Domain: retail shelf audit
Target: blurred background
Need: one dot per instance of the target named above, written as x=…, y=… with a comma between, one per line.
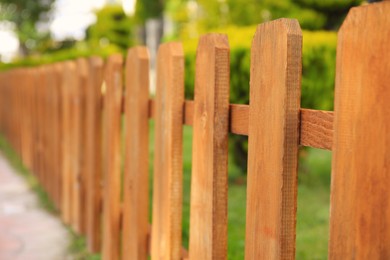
x=34, y=32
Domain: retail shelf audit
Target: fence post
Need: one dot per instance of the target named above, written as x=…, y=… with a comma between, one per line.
x=273, y=140
x=168, y=168
x=136, y=182
x=112, y=157
x=208, y=219
x=360, y=204
x=93, y=155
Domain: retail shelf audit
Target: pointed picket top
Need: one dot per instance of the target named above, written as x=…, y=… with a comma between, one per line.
x=208, y=219
x=273, y=139
x=360, y=208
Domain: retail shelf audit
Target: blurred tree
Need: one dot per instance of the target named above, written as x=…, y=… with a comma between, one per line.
x=334, y=11
x=25, y=15
x=148, y=9
x=112, y=27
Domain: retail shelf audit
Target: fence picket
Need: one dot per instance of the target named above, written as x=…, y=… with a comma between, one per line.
x=360, y=205
x=112, y=157
x=75, y=136
x=208, y=219
x=58, y=131
x=84, y=84
x=93, y=155
x=51, y=129
x=136, y=181
x=68, y=80
x=64, y=120
x=168, y=169
x=273, y=140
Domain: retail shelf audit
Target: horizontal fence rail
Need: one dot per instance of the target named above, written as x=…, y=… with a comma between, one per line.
x=316, y=126
x=82, y=128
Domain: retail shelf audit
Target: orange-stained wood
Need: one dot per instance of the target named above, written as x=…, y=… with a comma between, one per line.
x=316, y=129
x=360, y=204
x=135, y=218
x=68, y=79
x=93, y=155
x=168, y=167
x=75, y=139
x=208, y=212
x=112, y=157
x=316, y=126
x=59, y=131
x=273, y=140
x=84, y=85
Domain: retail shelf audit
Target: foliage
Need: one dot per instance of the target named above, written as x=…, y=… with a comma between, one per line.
x=113, y=26
x=112, y=33
x=319, y=53
x=192, y=17
x=81, y=49
x=318, y=73
x=25, y=15
x=147, y=9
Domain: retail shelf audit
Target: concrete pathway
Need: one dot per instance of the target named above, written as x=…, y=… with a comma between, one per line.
x=27, y=232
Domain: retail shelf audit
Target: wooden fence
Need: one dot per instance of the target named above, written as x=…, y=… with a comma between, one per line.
x=65, y=121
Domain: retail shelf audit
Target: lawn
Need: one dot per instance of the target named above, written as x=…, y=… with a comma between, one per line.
x=313, y=201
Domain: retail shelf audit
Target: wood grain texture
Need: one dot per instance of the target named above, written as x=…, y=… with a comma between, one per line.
x=136, y=182
x=275, y=82
x=208, y=213
x=112, y=157
x=168, y=163
x=360, y=205
x=93, y=155
x=316, y=129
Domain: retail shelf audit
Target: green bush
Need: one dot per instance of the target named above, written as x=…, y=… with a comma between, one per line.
x=81, y=49
x=113, y=27
x=318, y=73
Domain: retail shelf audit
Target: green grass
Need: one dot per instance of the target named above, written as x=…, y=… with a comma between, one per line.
x=313, y=201
x=313, y=204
